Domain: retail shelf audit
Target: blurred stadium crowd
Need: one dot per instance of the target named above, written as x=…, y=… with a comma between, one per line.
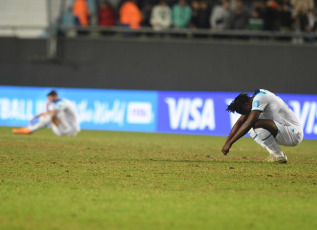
x=219, y=15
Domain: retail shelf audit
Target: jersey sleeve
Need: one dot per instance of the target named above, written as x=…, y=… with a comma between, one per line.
x=259, y=102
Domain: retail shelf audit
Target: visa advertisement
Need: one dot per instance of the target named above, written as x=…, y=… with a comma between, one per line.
x=202, y=113
x=205, y=113
x=195, y=112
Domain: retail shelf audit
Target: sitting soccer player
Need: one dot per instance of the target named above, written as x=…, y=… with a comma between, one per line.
x=60, y=115
x=269, y=121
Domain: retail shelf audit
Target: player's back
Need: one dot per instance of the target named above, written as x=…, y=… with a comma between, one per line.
x=276, y=109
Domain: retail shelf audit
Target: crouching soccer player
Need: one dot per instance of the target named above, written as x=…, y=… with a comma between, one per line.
x=268, y=120
x=61, y=115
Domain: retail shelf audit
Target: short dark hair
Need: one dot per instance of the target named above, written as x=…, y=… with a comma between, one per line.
x=238, y=103
x=52, y=93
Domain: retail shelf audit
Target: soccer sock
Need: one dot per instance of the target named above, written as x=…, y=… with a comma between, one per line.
x=255, y=137
x=43, y=122
x=266, y=139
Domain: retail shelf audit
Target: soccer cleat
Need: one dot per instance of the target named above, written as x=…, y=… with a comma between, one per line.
x=269, y=158
x=281, y=160
x=21, y=131
x=273, y=158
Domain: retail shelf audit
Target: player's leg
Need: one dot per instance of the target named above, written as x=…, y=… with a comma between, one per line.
x=269, y=125
x=264, y=138
x=55, y=125
x=42, y=122
x=63, y=131
x=264, y=132
x=56, y=130
x=61, y=127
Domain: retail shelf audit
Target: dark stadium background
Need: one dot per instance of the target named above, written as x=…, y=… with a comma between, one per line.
x=154, y=64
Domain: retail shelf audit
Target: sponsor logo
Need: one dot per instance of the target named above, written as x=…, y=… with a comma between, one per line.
x=140, y=113
x=191, y=114
x=20, y=109
x=306, y=112
x=102, y=112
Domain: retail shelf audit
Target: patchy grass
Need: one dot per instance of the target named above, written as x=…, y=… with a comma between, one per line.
x=112, y=180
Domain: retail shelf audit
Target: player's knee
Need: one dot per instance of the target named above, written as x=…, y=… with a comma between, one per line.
x=252, y=133
x=262, y=133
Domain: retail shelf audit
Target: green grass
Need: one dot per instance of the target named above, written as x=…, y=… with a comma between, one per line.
x=112, y=180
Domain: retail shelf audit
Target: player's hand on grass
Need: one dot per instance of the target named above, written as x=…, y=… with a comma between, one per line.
x=225, y=148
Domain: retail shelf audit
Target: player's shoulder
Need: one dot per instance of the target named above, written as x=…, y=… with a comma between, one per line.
x=260, y=98
x=57, y=102
x=62, y=102
x=261, y=93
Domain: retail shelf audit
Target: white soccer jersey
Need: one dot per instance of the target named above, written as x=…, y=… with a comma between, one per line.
x=274, y=108
x=68, y=115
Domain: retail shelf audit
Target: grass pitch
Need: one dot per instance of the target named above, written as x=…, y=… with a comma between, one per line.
x=111, y=180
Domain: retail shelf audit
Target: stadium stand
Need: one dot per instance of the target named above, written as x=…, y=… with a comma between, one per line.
x=23, y=18
x=29, y=18
x=45, y=18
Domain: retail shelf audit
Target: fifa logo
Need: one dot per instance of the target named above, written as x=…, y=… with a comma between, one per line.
x=256, y=103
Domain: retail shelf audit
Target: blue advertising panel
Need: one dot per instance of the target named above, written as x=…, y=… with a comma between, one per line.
x=305, y=109
x=97, y=109
x=195, y=113
x=202, y=113
x=205, y=113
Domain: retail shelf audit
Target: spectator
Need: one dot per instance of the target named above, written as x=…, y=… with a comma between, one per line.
x=147, y=11
x=220, y=17
x=271, y=17
x=81, y=12
x=305, y=4
x=114, y=3
x=195, y=13
x=312, y=24
x=240, y=17
x=106, y=15
x=286, y=18
x=181, y=14
x=255, y=22
x=130, y=15
x=246, y=3
x=282, y=2
x=200, y=15
x=161, y=17
x=259, y=7
x=301, y=20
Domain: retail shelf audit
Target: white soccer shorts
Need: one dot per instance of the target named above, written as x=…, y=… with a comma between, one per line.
x=288, y=135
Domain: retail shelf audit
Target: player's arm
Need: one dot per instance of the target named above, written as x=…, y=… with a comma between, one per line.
x=236, y=127
x=54, y=109
x=35, y=117
x=53, y=113
x=241, y=131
